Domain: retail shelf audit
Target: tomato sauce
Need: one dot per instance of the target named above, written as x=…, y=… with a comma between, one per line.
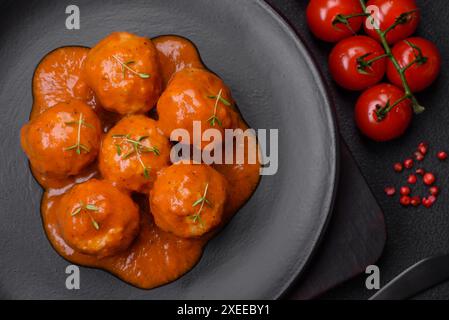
x=155, y=257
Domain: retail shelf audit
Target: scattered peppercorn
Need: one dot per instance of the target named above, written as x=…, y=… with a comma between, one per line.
x=412, y=179
x=390, y=191
x=423, y=147
x=442, y=155
x=415, y=201
x=408, y=163
x=429, y=201
x=429, y=179
x=398, y=167
x=434, y=190
x=419, y=156
x=405, y=201
x=405, y=191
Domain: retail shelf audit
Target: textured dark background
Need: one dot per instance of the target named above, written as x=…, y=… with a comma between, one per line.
x=413, y=234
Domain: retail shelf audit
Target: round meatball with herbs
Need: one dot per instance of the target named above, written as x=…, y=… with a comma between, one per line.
x=98, y=219
x=62, y=140
x=196, y=95
x=188, y=199
x=123, y=71
x=133, y=152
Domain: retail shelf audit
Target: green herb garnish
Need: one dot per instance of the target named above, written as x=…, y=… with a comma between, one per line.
x=78, y=146
x=218, y=98
x=138, y=148
x=201, y=201
x=87, y=208
x=126, y=66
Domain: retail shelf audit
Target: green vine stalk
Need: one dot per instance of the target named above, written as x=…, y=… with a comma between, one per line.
x=402, y=19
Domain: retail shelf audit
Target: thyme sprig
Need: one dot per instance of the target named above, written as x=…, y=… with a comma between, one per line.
x=200, y=202
x=218, y=98
x=88, y=208
x=126, y=66
x=78, y=146
x=137, y=149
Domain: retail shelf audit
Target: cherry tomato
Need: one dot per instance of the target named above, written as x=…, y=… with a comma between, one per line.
x=424, y=71
x=386, y=12
x=350, y=66
x=376, y=124
x=329, y=19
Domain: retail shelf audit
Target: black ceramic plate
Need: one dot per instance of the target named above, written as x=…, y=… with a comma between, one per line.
x=273, y=79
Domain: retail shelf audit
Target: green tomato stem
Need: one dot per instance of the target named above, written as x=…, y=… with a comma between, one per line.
x=417, y=108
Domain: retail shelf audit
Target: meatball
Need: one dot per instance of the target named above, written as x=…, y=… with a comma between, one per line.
x=188, y=199
x=132, y=153
x=63, y=140
x=176, y=53
x=58, y=78
x=98, y=219
x=196, y=95
x=123, y=71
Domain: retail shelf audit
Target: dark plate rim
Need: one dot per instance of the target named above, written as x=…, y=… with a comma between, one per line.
x=329, y=110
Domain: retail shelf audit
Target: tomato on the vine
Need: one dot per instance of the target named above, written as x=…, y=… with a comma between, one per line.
x=333, y=20
x=357, y=63
x=388, y=12
x=382, y=113
x=422, y=60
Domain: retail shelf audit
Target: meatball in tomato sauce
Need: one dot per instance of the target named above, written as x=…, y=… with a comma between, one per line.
x=188, y=199
x=58, y=78
x=98, y=219
x=123, y=70
x=196, y=95
x=63, y=140
x=132, y=153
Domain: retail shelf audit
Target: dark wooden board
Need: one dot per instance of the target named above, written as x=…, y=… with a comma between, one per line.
x=355, y=238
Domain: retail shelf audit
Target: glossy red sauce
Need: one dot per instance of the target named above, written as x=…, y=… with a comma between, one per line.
x=155, y=257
